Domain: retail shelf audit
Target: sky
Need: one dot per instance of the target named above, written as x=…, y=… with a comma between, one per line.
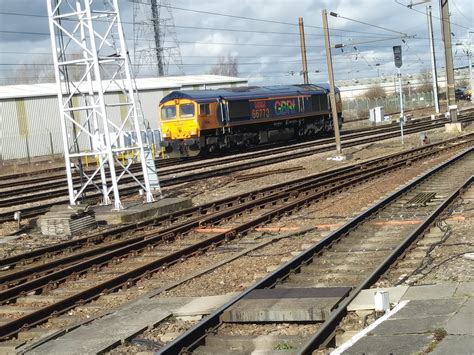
x=268, y=52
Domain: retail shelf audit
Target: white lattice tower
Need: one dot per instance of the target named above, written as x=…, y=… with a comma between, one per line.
x=156, y=45
x=98, y=112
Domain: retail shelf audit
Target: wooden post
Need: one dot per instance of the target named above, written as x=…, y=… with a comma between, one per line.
x=303, y=51
x=332, y=91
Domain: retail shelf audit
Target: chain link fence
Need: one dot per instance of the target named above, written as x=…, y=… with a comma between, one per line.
x=358, y=107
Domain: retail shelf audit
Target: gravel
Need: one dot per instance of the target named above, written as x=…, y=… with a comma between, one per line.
x=331, y=211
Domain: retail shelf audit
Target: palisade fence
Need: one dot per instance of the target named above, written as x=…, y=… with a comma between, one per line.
x=45, y=144
x=358, y=107
x=49, y=143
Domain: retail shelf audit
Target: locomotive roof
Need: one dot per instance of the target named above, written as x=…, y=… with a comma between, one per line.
x=249, y=92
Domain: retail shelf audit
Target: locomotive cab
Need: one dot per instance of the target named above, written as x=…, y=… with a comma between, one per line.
x=179, y=127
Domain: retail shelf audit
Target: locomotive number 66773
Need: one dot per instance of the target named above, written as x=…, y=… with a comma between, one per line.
x=200, y=121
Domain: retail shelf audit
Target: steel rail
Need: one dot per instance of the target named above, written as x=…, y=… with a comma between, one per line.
x=104, y=254
x=160, y=163
x=16, y=277
x=36, y=210
x=190, y=339
x=172, y=161
x=329, y=326
x=128, y=278
x=46, y=182
x=39, y=316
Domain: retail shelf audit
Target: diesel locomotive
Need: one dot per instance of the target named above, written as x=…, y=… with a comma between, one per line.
x=206, y=121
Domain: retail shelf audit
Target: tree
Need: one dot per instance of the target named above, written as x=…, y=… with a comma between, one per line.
x=375, y=91
x=41, y=70
x=462, y=83
x=226, y=65
x=426, y=84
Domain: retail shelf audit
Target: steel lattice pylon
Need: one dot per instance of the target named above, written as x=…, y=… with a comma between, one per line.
x=155, y=41
x=98, y=111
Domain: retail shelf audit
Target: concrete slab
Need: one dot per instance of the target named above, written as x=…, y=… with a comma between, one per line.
x=106, y=332
x=342, y=338
x=430, y=292
x=411, y=326
x=203, y=305
x=134, y=211
x=274, y=293
x=465, y=289
x=251, y=343
x=10, y=346
x=462, y=323
x=455, y=344
x=280, y=310
x=429, y=308
x=207, y=350
x=454, y=127
x=35, y=333
x=365, y=299
x=395, y=344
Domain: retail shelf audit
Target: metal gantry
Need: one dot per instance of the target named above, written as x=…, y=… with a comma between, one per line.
x=97, y=100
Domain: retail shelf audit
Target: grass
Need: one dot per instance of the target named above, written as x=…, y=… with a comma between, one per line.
x=438, y=335
x=283, y=346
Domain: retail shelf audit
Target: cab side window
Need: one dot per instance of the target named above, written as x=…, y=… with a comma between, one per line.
x=204, y=110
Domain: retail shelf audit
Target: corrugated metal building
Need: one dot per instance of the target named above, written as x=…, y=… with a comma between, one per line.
x=29, y=115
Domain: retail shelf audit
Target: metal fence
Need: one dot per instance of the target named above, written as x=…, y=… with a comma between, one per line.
x=359, y=107
x=46, y=143
x=34, y=144
x=49, y=143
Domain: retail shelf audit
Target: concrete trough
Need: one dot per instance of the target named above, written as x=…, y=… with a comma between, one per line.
x=285, y=305
x=136, y=211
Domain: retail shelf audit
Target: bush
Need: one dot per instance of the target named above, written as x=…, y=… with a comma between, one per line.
x=375, y=91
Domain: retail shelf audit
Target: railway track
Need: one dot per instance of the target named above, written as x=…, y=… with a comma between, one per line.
x=58, y=174
x=189, y=163
x=101, y=242
x=178, y=175
x=64, y=283
x=331, y=273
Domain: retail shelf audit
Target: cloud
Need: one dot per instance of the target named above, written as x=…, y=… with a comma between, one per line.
x=265, y=57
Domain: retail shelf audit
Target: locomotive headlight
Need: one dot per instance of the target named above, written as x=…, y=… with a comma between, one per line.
x=192, y=132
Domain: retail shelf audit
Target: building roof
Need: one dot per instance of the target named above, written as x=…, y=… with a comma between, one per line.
x=250, y=92
x=143, y=84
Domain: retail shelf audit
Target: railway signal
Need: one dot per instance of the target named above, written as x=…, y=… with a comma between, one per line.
x=397, y=56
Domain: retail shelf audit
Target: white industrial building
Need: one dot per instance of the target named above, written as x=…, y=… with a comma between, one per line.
x=353, y=88
x=29, y=114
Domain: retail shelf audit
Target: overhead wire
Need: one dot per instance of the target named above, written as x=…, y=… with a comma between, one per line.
x=245, y=17
x=229, y=29
x=243, y=31
x=460, y=12
x=423, y=13
x=367, y=24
